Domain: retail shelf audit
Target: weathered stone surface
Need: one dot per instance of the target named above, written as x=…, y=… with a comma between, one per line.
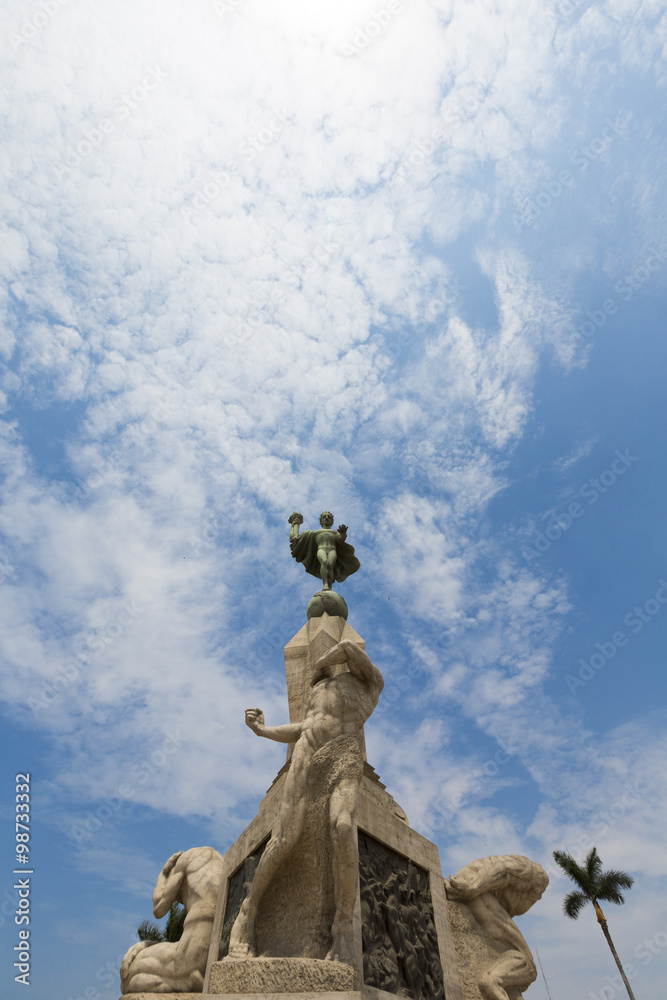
x=400, y=943
x=193, y=879
x=281, y=975
x=319, y=803
x=327, y=995
x=494, y=958
x=169, y=996
x=313, y=640
x=369, y=994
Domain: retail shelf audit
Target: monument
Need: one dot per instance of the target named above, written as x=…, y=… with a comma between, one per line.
x=329, y=893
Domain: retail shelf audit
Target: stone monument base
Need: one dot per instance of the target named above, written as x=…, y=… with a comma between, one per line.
x=329, y=995
x=281, y=975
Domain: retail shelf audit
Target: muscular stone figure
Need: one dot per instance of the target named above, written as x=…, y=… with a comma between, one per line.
x=496, y=889
x=335, y=712
x=193, y=879
x=324, y=552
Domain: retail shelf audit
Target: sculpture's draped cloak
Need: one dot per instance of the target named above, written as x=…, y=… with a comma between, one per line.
x=304, y=550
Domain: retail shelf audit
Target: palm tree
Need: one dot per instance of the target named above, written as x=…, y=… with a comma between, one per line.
x=148, y=930
x=173, y=930
x=594, y=885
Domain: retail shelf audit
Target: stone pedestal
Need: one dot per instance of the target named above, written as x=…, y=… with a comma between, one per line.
x=281, y=975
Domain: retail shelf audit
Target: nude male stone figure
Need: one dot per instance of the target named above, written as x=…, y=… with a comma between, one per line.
x=336, y=710
x=496, y=889
x=193, y=879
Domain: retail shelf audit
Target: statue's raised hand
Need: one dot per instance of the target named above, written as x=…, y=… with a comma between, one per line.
x=295, y=518
x=254, y=718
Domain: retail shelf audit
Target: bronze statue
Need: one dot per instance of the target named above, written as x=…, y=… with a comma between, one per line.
x=323, y=552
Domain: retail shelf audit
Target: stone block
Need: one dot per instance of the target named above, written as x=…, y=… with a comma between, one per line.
x=281, y=975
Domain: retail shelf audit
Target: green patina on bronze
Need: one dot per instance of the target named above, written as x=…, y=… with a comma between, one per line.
x=326, y=554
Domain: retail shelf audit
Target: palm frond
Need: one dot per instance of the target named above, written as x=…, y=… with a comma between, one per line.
x=565, y=861
x=610, y=885
x=575, y=871
x=621, y=879
x=175, y=921
x=148, y=930
x=593, y=865
x=574, y=903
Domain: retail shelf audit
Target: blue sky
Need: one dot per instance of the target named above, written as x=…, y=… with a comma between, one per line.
x=409, y=266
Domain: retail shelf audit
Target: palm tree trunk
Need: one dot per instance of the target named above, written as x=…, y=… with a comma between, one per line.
x=605, y=931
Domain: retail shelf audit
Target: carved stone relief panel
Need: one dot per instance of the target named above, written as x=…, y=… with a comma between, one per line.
x=239, y=884
x=400, y=945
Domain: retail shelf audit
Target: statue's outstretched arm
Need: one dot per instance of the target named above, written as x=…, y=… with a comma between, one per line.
x=295, y=520
x=254, y=718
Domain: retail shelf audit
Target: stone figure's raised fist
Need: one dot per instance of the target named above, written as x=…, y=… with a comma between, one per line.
x=295, y=518
x=254, y=718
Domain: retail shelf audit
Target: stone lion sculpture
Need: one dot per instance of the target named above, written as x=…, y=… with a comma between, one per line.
x=496, y=889
x=192, y=878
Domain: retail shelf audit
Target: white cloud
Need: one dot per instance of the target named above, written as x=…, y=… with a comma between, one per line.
x=243, y=295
